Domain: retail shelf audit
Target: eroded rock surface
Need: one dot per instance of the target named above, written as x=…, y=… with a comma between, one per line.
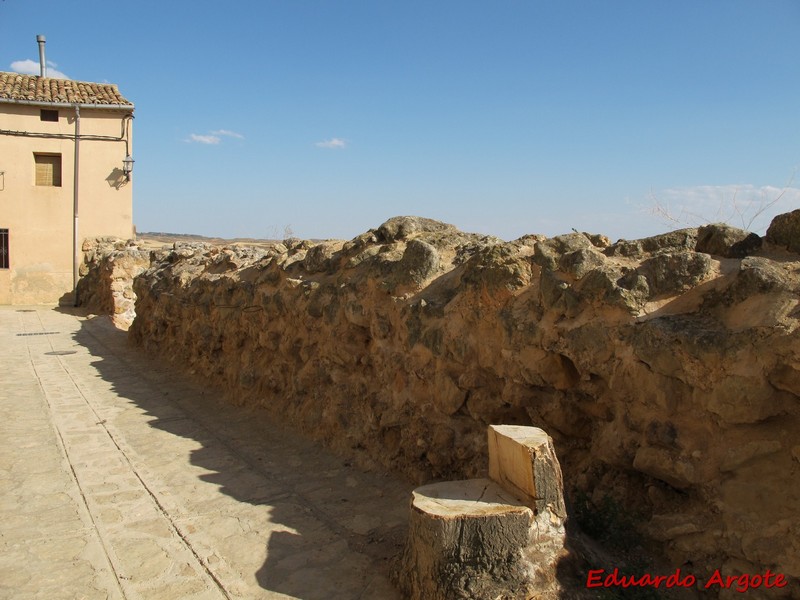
x=667, y=369
x=107, y=272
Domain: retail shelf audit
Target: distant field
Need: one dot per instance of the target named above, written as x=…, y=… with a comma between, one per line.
x=156, y=239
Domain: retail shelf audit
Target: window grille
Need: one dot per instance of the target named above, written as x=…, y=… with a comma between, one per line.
x=3, y=248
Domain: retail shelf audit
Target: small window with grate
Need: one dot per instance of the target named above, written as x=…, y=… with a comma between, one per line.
x=3, y=248
x=47, y=114
x=48, y=169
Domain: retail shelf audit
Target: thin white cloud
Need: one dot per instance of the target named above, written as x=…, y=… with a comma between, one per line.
x=228, y=133
x=203, y=139
x=333, y=143
x=746, y=206
x=213, y=138
x=31, y=67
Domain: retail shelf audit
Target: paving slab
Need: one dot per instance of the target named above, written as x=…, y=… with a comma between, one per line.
x=120, y=478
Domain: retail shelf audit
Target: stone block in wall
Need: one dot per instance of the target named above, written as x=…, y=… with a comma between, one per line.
x=784, y=231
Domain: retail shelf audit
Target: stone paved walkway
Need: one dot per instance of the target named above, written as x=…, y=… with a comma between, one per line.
x=121, y=479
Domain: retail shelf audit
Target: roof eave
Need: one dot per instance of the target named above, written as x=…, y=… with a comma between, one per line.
x=44, y=104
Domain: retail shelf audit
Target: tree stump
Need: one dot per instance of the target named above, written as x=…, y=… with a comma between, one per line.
x=478, y=539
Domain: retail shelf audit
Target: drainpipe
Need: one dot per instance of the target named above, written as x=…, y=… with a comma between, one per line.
x=75, y=242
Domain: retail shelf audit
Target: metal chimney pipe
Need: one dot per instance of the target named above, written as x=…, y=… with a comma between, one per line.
x=42, y=64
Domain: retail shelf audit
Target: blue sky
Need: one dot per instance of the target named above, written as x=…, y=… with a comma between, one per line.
x=502, y=117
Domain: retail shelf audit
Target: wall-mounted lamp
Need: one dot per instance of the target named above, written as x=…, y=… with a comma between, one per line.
x=127, y=166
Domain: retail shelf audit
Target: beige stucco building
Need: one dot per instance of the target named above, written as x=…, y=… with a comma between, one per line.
x=62, y=179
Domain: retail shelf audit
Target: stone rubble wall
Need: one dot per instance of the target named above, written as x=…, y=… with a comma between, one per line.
x=666, y=369
x=107, y=273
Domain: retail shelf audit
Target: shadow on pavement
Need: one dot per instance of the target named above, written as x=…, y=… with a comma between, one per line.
x=327, y=529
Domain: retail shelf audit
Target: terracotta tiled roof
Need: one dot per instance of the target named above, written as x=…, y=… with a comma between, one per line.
x=14, y=86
